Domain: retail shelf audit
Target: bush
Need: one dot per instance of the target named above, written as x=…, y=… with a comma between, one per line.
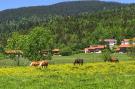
x=106, y=54
x=131, y=52
x=67, y=51
x=76, y=52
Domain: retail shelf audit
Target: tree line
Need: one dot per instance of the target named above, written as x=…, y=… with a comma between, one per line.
x=79, y=31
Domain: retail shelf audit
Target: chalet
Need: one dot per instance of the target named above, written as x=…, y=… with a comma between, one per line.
x=123, y=48
x=94, y=49
x=15, y=52
x=125, y=44
x=54, y=52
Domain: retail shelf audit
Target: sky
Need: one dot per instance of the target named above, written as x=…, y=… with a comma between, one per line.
x=9, y=4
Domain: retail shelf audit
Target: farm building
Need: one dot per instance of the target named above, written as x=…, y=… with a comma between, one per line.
x=55, y=51
x=125, y=44
x=14, y=52
x=123, y=48
x=94, y=49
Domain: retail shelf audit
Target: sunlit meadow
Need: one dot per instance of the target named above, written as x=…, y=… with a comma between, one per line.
x=67, y=76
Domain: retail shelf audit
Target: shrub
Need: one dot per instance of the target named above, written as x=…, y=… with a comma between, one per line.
x=106, y=54
x=131, y=52
x=67, y=51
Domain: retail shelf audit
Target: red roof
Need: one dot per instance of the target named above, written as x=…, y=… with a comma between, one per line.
x=125, y=46
x=92, y=47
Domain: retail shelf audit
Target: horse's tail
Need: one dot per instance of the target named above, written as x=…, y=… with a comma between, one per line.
x=31, y=64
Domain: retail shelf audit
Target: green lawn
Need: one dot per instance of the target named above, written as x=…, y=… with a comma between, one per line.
x=88, y=58
x=66, y=76
x=94, y=74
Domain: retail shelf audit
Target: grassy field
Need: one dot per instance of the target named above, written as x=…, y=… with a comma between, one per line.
x=88, y=58
x=98, y=75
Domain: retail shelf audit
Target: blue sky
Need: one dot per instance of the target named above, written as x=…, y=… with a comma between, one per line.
x=8, y=4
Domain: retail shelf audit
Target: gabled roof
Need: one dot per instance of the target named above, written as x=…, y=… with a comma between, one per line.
x=125, y=46
x=56, y=50
x=93, y=47
x=13, y=52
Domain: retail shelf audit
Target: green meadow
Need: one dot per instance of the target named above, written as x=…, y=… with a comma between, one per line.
x=62, y=74
x=98, y=75
x=88, y=58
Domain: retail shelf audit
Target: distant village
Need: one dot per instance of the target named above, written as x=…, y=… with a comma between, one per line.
x=112, y=43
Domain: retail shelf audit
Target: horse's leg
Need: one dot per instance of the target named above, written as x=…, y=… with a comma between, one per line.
x=117, y=61
x=82, y=63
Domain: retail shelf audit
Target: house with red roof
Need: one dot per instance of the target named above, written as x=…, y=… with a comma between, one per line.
x=94, y=49
x=125, y=44
x=124, y=47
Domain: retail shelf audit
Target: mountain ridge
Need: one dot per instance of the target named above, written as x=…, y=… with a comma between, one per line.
x=69, y=7
x=80, y=24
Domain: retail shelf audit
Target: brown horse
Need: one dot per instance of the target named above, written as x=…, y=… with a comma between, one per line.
x=35, y=63
x=113, y=59
x=78, y=61
x=44, y=64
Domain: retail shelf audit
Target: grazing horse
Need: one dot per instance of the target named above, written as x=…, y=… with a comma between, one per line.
x=78, y=61
x=114, y=60
x=35, y=63
x=44, y=64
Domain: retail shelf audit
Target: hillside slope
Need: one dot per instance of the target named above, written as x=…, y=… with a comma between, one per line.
x=77, y=31
x=64, y=8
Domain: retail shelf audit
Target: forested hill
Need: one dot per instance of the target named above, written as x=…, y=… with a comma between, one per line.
x=64, y=8
x=76, y=31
